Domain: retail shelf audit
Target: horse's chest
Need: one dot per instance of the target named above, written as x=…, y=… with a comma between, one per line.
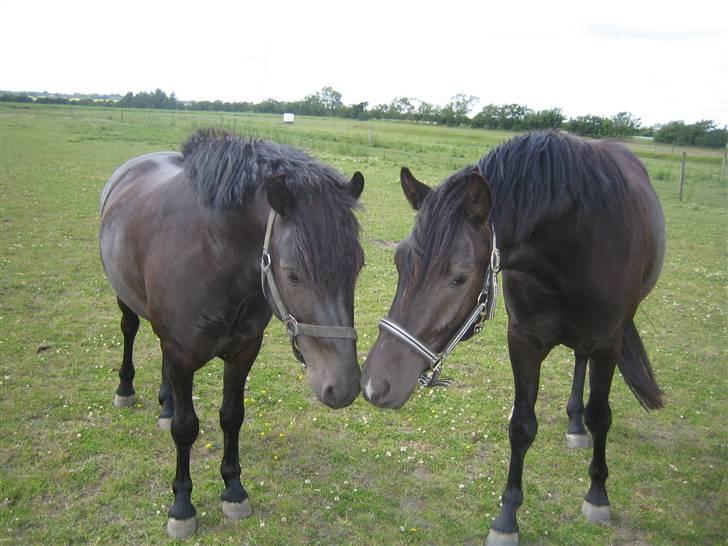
x=546, y=317
x=251, y=319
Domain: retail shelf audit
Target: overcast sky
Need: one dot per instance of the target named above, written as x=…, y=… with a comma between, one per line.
x=659, y=60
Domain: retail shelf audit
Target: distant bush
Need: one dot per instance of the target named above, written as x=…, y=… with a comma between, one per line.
x=703, y=133
x=620, y=125
x=10, y=97
x=516, y=117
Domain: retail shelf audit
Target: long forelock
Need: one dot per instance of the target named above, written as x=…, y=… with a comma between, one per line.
x=327, y=238
x=439, y=222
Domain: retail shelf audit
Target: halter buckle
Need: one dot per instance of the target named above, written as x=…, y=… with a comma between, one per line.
x=292, y=324
x=495, y=260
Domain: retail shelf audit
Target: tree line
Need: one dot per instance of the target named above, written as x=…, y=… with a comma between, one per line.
x=508, y=117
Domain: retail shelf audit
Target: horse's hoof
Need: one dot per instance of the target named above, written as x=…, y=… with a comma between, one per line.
x=181, y=528
x=496, y=538
x=165, y=423
x=124, y=401
x=578, y=441
x=237, y=510
x=595, y=514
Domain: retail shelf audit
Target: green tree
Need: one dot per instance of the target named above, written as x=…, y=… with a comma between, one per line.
x=330, y=99
x=673, y=132
x=624, y=124
x=427, y=112
x=487, y=118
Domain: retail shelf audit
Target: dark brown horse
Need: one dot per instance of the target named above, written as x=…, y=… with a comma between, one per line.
x=579, y=235
x=208, y=243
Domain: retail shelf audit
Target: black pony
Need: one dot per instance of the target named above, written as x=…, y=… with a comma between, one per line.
x=579, y=235
x=206, y=245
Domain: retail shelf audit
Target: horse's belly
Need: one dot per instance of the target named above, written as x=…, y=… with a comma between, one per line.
x=125, y=278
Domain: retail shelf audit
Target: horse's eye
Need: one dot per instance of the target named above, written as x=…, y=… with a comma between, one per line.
x=292, y=277
x=458, y=280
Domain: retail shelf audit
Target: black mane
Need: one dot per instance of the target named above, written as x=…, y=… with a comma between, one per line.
x=532, y=177
x=225, y=171
x=542, y=174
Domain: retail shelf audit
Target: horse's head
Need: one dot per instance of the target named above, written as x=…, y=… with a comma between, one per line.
x=441, y=267
x=315, y=258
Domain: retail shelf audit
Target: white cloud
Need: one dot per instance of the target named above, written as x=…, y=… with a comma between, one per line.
x=659, y=60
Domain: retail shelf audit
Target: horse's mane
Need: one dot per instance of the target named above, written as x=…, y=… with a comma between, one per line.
x=542, y=174
x=532, y=177
x=225, y=171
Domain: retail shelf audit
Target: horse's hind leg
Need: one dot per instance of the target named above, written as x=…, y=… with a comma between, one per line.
x=576, y=436
x=166, y=400
x=129, y=326
x=598, y=417
x=235, y=502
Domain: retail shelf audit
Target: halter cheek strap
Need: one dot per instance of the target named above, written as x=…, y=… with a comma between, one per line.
x=484, y=310
x=293, y=326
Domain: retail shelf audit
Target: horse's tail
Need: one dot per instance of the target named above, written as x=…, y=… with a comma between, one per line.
x=636, y=370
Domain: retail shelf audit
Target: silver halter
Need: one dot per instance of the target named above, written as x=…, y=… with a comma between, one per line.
x=293, y=327
x=484, y=310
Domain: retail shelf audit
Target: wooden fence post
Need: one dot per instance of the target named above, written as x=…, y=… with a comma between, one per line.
x=682, y=175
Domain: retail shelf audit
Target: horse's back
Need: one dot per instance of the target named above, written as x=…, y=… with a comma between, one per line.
x=132, y=198
x=162, y=165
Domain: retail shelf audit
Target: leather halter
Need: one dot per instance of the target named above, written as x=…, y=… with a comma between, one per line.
x=293, y=326
x=484, y=310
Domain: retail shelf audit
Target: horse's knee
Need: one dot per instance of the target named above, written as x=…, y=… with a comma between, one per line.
x=523, y=428
x=231, y=419
x=185, y=428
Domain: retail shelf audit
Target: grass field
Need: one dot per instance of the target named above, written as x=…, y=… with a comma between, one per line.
x=74, y=470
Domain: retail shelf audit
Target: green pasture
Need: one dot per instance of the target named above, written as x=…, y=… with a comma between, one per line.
x=75, y=470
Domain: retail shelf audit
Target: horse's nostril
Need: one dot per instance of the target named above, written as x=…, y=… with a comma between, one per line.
x=339, y=398
x=375, y=390
x=329, y=396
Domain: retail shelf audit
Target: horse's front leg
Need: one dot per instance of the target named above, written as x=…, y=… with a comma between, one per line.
x=235, y=502
x=576, y=436
x=526, y=366
x=185, y=426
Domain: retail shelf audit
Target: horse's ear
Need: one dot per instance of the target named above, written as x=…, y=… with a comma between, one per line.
x=279, y=196
x=356, y=184
x=477, y=200
x=414, y=190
